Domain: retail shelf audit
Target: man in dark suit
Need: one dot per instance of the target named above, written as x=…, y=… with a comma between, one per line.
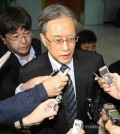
x=58, y=30
x=15, y=31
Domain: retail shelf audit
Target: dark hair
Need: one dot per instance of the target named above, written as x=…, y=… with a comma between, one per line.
x=85, y=36
x=12, y=18
x=53, y=12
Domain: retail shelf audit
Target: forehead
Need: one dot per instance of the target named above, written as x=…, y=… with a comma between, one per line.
x=19, y=30
x=61, y=26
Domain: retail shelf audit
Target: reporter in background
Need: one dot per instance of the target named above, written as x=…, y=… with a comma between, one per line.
x=16, y=33
x=87, y=40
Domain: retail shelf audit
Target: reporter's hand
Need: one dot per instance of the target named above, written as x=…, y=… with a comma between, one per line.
x=80, y=132
x=41, y=112
x=112, y=129
x=55, y=84
x=102, y=121
x=35, y=81
x=114, y=90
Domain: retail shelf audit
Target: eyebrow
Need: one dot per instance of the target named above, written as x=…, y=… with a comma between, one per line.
x=63, y=36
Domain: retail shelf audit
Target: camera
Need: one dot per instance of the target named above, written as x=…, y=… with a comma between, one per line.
x=112, y=113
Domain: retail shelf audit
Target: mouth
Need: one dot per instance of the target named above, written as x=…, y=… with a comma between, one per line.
x=66, y=56
x=25, y=48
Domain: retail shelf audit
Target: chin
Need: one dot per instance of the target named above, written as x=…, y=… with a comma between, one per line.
x=24, y=53
x=65, y=61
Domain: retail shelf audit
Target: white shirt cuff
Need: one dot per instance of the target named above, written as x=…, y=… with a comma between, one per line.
x=18, y=89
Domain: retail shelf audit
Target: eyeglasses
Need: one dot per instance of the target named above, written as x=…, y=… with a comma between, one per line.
x=16, y=38
x=60, y=41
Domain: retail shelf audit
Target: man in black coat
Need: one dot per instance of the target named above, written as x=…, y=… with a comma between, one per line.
x=58, y=28
x=15, y=31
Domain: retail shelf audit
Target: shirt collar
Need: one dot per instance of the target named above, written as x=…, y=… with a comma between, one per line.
x=56, y=65
x=31, y=55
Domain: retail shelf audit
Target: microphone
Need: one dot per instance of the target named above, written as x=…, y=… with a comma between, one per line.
x=4, y=58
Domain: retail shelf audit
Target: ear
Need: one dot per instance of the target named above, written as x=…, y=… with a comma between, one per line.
x=43, y=39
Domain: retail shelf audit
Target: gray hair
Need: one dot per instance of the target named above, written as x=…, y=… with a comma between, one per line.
x=53, y=12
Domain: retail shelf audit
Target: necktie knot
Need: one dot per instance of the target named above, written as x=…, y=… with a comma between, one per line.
x=63, y=68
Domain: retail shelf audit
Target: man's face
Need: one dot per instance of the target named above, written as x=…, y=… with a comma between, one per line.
x=88, y=46
x=64, y=29
x=19, y=42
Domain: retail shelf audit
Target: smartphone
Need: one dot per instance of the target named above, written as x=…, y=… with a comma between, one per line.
x=78, y=124
x=105, y=74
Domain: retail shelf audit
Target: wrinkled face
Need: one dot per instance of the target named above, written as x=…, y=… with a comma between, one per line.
x=88, y=46
x=19, y=42
x=60, y=39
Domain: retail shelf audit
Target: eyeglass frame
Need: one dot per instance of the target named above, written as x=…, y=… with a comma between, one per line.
x=19, y=38
x=62, y=40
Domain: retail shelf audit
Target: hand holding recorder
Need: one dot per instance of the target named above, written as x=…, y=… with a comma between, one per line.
x=112, y=129
x=110, y=82
x=105, y=74
x=112, y=113
x=113, y=90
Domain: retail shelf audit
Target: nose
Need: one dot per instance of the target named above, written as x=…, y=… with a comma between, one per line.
x=22, y=39
x=65, y=45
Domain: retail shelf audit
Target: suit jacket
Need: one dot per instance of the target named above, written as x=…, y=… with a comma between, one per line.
x=85, y=63
x=9, y=74
x=16, y=107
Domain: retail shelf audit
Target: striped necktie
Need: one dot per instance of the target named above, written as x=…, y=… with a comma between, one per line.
x=69, y=100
